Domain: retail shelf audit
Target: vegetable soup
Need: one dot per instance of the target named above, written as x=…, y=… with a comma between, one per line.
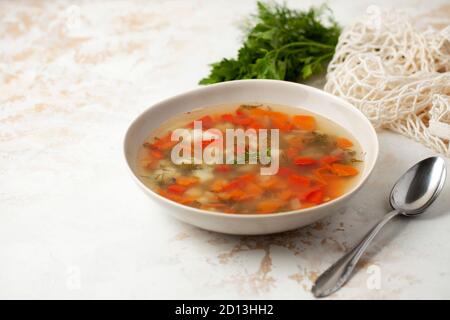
x=317, y=160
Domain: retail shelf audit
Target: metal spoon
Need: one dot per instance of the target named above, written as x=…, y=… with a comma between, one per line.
x=413, y=193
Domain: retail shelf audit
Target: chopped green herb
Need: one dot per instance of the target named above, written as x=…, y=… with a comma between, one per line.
x=248, y=106
x=188, y=166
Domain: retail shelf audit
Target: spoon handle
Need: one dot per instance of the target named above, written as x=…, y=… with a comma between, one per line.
x=340, y=272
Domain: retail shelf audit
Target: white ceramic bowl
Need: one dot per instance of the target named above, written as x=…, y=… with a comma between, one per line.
x=254, y=91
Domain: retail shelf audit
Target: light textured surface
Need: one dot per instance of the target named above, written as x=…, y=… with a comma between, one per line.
x=74, y=225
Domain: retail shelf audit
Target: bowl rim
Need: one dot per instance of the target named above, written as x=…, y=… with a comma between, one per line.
x=330, y=203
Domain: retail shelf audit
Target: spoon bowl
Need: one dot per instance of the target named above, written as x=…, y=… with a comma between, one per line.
x=417, y=189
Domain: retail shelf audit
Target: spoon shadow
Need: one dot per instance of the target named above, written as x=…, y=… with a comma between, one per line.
x=390, y=232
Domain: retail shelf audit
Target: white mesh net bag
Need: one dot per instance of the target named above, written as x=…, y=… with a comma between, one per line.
x=397, y=76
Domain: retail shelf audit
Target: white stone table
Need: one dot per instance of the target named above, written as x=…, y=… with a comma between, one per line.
x=74, y=225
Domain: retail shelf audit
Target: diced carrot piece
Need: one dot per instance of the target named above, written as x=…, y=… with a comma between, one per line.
x=258, y=112
x=150, y=146
x=164, y=143
x=324, y=175
x=168, y=195
x=187, y=181
x=282, y=124
x=207, y=122
x=304, y=161
x=252, y=190
x=222, y=168
x=233, y=184
x=206, y=143
x=237, y=195
x=305, y=122
x=247, y=178
x=175, y=188
x=285, y=195
x=242, y=121
x=343, y=170
x=277, y=115
x=156, y=154
x=304, y=193
x=255, y=125
x=285, y=171
x=238, y=182
x=315, y=196
x=269, y=206
x=176, y=197
x=344, y=143
x=218, y=185
x=227, y=117
x=280, y=121
x=190, y=125
x=299, y=180
x=330, y=159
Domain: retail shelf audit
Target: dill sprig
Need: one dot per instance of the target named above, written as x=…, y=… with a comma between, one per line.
x=283, y=44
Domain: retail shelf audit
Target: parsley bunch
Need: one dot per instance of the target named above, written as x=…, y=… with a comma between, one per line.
x=284, y=44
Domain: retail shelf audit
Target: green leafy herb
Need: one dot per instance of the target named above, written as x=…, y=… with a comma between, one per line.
x=188, y=166
x=283, y=44
x=255, y=155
